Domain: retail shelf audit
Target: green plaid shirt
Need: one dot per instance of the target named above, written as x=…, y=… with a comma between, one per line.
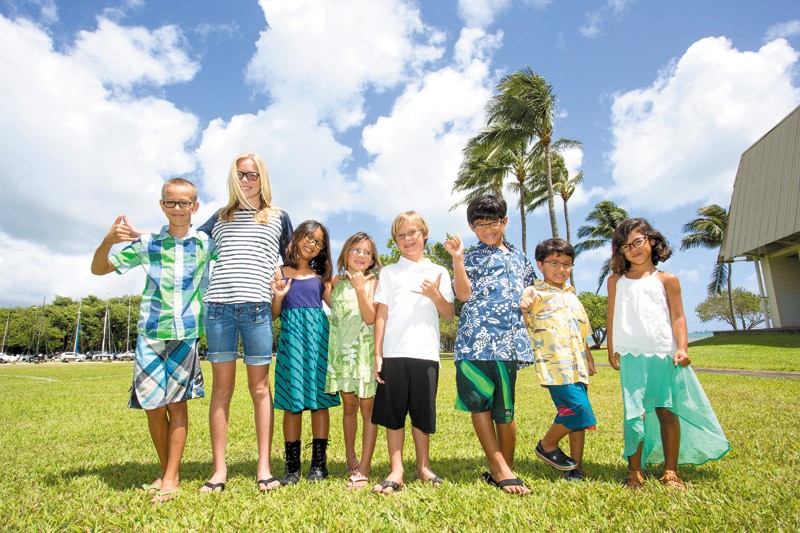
x=177, y=276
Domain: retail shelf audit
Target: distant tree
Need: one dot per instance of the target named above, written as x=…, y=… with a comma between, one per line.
x=603, y=220
x=746, y=307
x=708, y=231
x=596, y=307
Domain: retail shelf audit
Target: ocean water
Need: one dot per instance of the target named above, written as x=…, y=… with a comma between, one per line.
x=697, y=335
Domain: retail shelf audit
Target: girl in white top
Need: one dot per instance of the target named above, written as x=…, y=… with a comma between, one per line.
x=667, y=415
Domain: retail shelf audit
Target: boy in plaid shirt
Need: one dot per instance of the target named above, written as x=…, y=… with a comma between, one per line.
x=166, y=370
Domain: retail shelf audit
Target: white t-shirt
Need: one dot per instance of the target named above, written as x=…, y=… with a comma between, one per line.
x=412, y=326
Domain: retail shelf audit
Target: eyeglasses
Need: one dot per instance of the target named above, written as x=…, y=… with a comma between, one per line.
x=251, y=176
x=555, y=264
x=488, y=225
x=636, y=243
x=319, y=245
x=359, y=251
x=408, y=235
x=184, y=204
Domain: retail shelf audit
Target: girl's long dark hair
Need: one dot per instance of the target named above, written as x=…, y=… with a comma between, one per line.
x=661, y=250
x=321, y=264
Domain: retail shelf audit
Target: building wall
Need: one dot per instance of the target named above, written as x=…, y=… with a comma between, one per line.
x=782, y=280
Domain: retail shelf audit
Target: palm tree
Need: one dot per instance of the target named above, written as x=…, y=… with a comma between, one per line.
x=708, y=231
x=606, y=216
x=524, y=112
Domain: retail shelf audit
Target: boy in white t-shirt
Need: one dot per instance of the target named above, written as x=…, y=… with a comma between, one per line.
x=410, y=296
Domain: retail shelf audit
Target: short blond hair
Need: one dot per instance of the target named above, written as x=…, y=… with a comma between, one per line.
x=412, y=217
x=181, y=183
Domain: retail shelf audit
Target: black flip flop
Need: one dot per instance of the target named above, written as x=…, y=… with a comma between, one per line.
x=214, y=486
x=266, y=483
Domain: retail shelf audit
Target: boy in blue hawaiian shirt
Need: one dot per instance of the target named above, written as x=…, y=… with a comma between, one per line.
x=492, y=341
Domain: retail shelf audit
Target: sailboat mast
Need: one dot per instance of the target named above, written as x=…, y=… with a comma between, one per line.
x=128, y=334
x=41, y=325
x=77, y=327
x=105, y=327
x=8, y=319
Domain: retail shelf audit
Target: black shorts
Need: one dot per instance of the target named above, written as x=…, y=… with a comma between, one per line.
x=409, y=388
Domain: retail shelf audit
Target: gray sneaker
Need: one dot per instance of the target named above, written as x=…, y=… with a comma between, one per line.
x=575, y=475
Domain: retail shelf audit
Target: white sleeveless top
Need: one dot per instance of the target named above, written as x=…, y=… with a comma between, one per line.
x=641, y=318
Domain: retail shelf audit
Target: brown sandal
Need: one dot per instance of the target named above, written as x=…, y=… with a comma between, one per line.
x=672, y=480
x=635, y=480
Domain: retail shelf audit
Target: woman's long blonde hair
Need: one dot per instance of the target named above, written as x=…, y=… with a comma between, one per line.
x=236, y=199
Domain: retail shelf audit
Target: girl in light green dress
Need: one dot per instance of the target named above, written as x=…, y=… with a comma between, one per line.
x=351, y=349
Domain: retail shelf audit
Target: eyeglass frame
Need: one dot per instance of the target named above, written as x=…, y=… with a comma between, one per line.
x=310, y=239
x=177, y=203
x=555, y=264
x=628, y=246
x=358, y=251
x=408, y=235
x=495, y=224
x=248, y=175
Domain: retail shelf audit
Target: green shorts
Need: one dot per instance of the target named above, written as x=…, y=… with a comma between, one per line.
x=487, y=386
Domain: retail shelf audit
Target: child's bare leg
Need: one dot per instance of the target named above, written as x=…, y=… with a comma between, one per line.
x=635, y=460
x=292, y=426
x=553, y=436
x=670, y=437
x=320, y=424
x=158, y=424
x=507, y=439
x=349, y=427
x=576, y=440
x=261, y=395
x=395, y=439
x=224, y=379
x=422, y=448
x=490, y=441
x=369, y=434
x=178, y=414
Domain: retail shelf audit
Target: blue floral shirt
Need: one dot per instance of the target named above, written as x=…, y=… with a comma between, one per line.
x=491, y=327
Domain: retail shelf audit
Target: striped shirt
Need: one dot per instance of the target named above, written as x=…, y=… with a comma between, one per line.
x=177, y=275
x=247, y=255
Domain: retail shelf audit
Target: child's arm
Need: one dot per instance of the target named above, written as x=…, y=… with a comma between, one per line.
x=381, y=314
x=431, y=290
x=589, y=360
x=611, y=289
x=463, y=287
x=529, y=297
x=326, y=295
x=279, y=289
x=676, y=317
x=365, y=290
x=119, y=232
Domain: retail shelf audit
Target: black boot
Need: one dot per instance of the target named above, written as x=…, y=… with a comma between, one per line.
x=291, y=455
x=319, y=460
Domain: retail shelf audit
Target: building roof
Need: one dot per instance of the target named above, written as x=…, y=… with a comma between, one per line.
x=764, y=215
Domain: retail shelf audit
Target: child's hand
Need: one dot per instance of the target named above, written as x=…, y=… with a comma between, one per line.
x=120, y=232
x=430, y=288
x=359, y=280
x=378, y=367
x=613, y=360
x=590, y=367
x=454, y=246
x=529, y=298
x=280, y=287
x=681, y=358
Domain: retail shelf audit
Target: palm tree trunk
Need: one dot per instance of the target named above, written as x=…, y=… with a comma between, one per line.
x=523, y=226
x=566, y=223
x=551, y=204
x=730, y=296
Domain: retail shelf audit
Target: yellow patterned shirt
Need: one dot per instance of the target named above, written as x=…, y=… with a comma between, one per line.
x=558, y=326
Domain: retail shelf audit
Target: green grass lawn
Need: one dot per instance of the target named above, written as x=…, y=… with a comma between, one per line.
x=73, y=456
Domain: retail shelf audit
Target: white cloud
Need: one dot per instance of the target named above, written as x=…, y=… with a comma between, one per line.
x=417, y=150
x=597, y=17
x=123, y=56
x=334, y=65
x=481, y=13
x=79, y=155
x=790, y=28
x=679, y=141
x=689, y=276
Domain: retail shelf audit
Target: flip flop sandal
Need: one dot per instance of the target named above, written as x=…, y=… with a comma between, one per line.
x=435, y=481
x=266, y=483
x=513, y=482
x=357, y=480
x=386, y=484
x=213, y=487
x=151, y=488
x=164, y=497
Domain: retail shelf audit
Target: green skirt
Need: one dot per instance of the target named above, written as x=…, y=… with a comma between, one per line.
x=651, y=381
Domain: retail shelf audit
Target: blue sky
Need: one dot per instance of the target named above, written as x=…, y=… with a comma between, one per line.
x=361, y=109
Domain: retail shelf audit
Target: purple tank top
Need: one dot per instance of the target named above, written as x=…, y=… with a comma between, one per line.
x=304, y=293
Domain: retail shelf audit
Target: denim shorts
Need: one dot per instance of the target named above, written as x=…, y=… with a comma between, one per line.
x=225, y=323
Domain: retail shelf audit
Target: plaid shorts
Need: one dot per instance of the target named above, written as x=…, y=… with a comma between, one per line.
x=165, y=372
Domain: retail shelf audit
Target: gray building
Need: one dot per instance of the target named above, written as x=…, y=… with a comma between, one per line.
x=764, y=219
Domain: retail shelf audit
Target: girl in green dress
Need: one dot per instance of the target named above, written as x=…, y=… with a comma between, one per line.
x=351, y=349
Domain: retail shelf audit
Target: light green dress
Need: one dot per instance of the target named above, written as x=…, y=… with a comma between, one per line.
x=351, y=349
